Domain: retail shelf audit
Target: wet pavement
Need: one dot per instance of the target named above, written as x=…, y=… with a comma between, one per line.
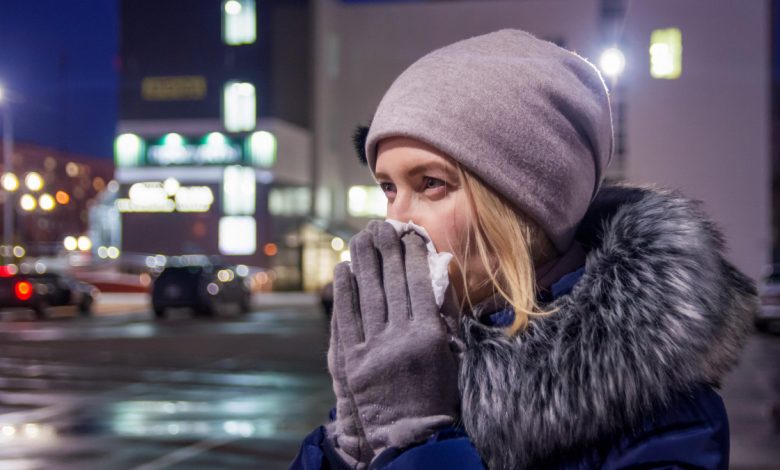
x=120, y=390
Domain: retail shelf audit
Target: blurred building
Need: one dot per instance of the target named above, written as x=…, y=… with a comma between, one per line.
x=51, y=192
x=213, y=146
x=689, y=83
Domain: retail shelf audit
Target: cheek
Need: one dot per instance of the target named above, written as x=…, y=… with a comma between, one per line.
x=448, y=231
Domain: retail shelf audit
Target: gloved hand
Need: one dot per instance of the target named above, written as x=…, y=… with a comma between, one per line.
x=399, y=356
x=346, y=430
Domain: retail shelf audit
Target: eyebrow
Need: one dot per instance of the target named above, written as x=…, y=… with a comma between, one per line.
x=422, y=167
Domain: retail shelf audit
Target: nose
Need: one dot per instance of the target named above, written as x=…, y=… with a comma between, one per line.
x=402, y=207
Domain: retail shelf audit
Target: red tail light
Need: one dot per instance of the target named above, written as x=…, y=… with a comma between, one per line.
x=6, y=271
x=23, y=290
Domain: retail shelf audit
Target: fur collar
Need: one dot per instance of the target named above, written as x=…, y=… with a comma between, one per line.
x=657, y=311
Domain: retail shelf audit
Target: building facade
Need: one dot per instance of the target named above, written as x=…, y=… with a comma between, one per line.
x=213, y=145
x=691, y=102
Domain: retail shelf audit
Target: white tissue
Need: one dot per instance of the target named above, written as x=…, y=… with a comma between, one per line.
x=437, y=262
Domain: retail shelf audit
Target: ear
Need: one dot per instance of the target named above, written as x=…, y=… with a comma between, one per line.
x=359, y=136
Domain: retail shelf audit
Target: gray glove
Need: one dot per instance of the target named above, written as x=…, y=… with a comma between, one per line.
x=398, y=353
x=346, y=430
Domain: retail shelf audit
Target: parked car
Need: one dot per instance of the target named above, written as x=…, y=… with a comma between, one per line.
x=768, y=316
x=39, y=291
x=203, y=288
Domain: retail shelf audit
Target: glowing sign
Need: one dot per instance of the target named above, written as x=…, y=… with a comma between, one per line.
x=175, y=150
x=181, y=88
x=155, y=197
x=258, y=149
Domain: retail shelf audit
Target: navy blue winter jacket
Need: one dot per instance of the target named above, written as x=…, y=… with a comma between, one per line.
x=622, y=375
x=692, y=433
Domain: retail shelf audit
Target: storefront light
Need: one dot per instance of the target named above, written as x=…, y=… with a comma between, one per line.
x=46, y=202
x=238, y=190
x=262, y=148
x=84, y=243
x=237, y=235
x=62, y=197
x=216, y=139
x=27, y=203
x=367, y=201
x=10, y=182
x=70, y=243
x=239, y=22
x=173, y=140
x=239, y=107
x=127, y=153
x=33, y=181
x=171, y=185
x=666, y=53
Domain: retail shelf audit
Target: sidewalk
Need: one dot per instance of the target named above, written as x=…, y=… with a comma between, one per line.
x=259, y=300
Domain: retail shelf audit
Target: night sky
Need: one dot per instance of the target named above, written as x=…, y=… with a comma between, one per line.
x=58, y=57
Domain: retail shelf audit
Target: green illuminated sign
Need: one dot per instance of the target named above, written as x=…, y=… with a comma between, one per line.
x=256, y=149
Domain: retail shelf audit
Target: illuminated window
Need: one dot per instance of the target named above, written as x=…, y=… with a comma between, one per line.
x=127, y=151
x=666, y=53
x=262, y=148
x=237, y=235
x=239, y=22
x=289, y=201
x=239, y=107
x=367, y=201
x=238, y=190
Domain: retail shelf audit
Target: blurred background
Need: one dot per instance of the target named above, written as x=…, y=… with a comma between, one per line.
x=178, y=182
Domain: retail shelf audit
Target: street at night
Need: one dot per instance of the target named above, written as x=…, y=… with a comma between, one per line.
x=189, y=190
x=122, y=391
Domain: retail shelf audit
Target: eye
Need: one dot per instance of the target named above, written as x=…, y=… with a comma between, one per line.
x=386, y=187
x=431, y=183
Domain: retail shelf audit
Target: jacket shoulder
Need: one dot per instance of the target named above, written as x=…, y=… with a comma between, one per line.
x=692, y=431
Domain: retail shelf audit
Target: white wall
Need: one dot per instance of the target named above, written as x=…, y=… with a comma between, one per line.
x=707, y=132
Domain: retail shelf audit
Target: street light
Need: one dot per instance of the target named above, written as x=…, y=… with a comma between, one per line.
x=612, y=62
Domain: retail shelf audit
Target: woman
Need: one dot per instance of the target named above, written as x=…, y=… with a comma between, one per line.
x=587, y=325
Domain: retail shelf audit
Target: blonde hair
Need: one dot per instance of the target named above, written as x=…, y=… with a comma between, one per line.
x=509, y=245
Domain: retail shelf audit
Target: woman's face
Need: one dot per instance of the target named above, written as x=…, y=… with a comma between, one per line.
x=422, y=185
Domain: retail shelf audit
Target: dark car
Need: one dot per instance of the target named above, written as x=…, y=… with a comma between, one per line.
x=768, y=316
x=41, y=291
x=202, y=288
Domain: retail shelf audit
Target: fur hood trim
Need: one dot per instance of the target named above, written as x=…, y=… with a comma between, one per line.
x=657, y=311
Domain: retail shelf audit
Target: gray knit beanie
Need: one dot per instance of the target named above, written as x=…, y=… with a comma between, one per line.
x=529, y=118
